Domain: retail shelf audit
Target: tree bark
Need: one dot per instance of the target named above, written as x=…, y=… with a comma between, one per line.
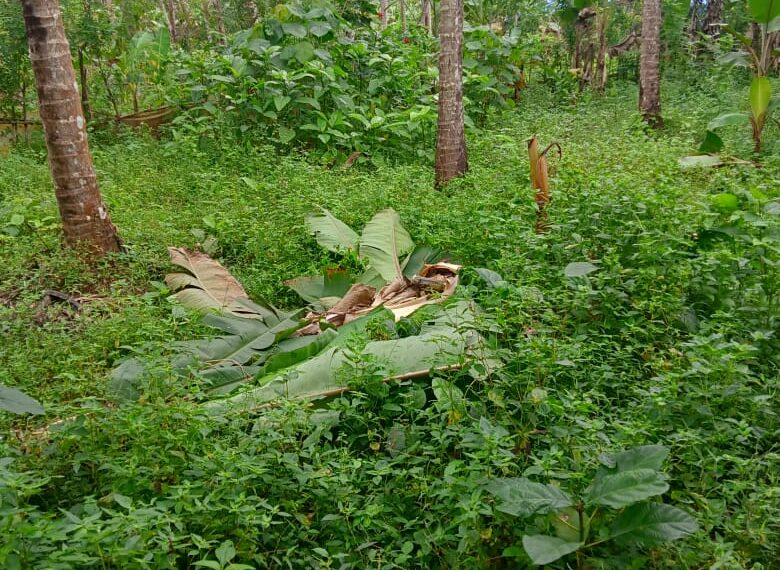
x=693, y=19
x=425, y=17
x=601, y=58
x=712, y=18
x=649, y=64
x=85, y=219
x=451, y=155
x=169, y=11
x=84, y=84
x=402, y=11
x=383, y=7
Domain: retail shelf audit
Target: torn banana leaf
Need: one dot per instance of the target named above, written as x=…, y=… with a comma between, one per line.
x=448, y=340
x=208, y=286
x=223, y=359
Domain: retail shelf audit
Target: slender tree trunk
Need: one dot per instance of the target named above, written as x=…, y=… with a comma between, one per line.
x=206, y=13
x=425, y=17
x=254, y=15
x=649, y=64
x=754, y=33
x=24, y=112
x=14, y=124
x=712, y=18
x=601, y=58
x=109, y=92
x=693, y=19
x=383, y=6
x=451, y=155
x=169, y=11
x=85, y=219
x=402, y=10
x=220, y=16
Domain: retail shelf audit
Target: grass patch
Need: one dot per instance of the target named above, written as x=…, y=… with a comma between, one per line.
x=671, y=341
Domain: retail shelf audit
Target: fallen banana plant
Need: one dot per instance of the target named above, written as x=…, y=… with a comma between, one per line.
x=446, y=342
x=401, y=285
x=540, y=181
x=289, y=355
x=206, y=285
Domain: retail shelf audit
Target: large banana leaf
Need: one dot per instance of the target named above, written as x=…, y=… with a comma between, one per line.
x=287, y=353
x=331, y=233
x=764, y=11
x=448, y=340
x=383, y=241
x=207, y=286
x=221, y=360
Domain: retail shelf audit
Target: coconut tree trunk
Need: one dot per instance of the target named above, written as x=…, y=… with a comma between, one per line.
x=451, y=155
x=649, y=64
x=84, y=84
x=85, y=219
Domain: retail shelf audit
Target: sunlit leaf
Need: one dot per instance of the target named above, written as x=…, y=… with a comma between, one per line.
x=764, y=11
x=725, y=202
x=760, y=94
x=579, y=269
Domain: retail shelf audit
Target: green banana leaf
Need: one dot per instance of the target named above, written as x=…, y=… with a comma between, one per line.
x=447, y=340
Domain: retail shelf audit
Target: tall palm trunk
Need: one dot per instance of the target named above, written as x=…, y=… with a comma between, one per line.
x=85, y=219
x=649, y=64
x=451, y=156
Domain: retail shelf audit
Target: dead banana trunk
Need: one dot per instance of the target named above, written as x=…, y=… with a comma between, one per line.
x=540, y=180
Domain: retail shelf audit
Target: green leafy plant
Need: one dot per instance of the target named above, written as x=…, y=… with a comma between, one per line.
x=758, y=60
x=614, y=507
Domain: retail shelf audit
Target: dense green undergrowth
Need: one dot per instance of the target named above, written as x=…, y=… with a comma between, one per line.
x=671, y=341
